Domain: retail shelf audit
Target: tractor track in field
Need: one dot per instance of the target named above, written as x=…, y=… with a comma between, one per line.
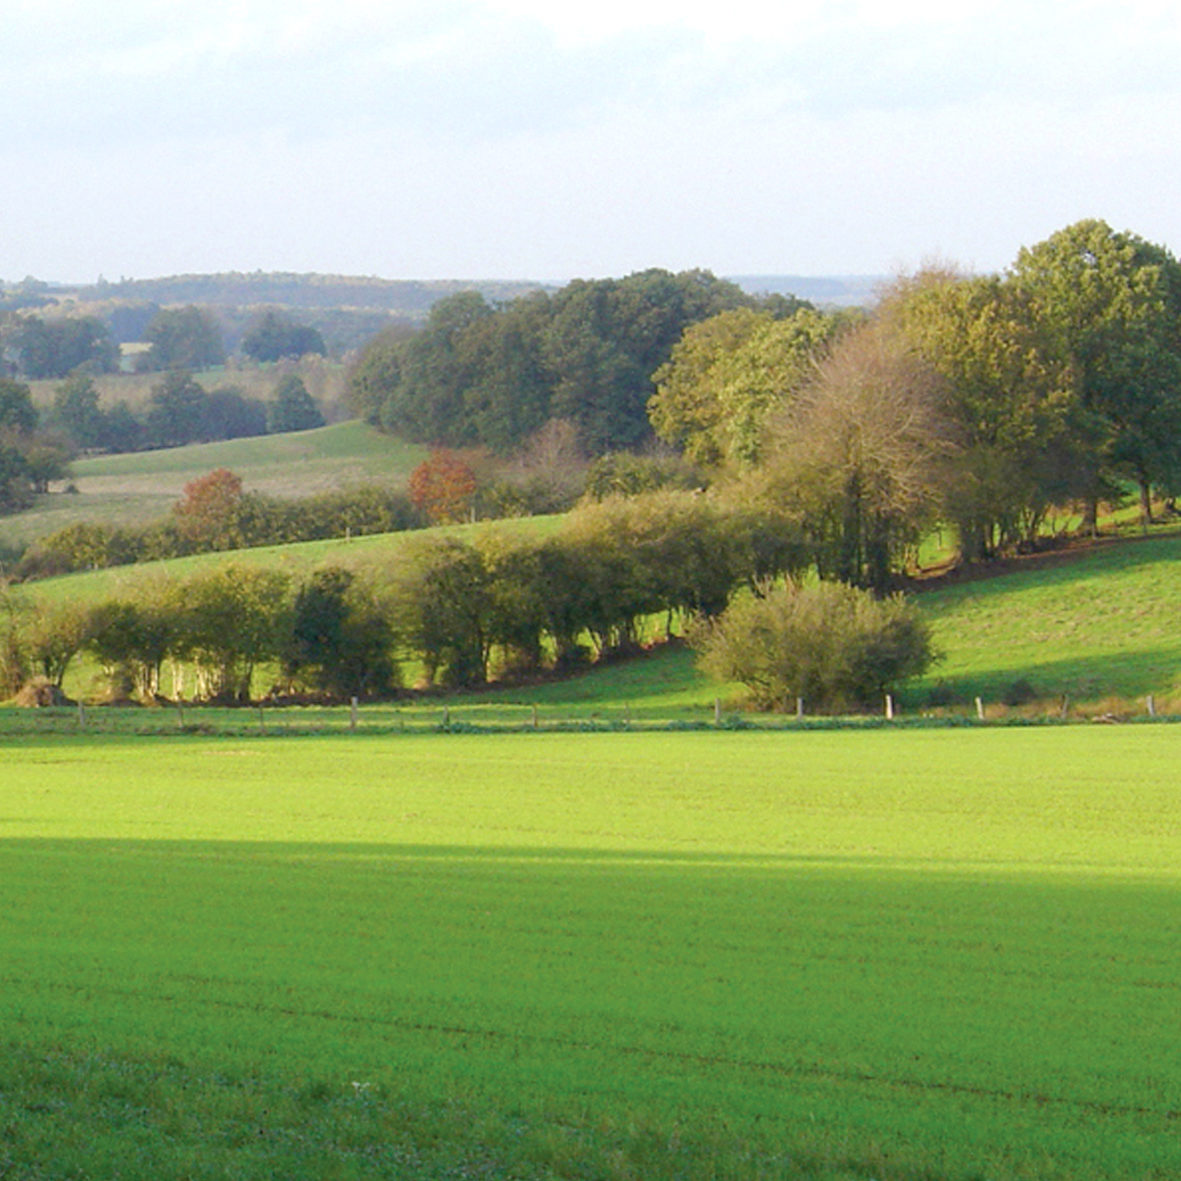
x=802, y=1070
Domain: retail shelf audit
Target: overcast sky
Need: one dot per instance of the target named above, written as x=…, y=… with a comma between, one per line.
x=546, y=140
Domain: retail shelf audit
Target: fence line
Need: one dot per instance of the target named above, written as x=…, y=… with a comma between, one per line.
x=357, y=718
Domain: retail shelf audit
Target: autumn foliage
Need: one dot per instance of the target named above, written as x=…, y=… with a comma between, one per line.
x=208, y=511
x=442, y=487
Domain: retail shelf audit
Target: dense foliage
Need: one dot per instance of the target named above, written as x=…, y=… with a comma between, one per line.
x=493, y=375
x=984, y=402
x=274, y=337
x=44, y=347
x=184, y=338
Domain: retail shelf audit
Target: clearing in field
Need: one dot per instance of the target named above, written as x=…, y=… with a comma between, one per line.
x=942, y=954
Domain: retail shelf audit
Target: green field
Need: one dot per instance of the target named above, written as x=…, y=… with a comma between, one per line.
x=142, y=486
x=1097, y=626
x=894, y=955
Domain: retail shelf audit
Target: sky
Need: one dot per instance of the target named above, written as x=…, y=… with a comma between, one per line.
x=531, y=139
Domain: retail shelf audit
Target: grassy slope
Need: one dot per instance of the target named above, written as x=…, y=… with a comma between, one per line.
x=889, y=955
x=1100, y=625
x=143, y=486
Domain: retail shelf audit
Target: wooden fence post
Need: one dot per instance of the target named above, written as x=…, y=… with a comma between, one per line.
x=979, y=709
x=889, y=708
x=1151, y=706
x=799, y=708
x=353, y=714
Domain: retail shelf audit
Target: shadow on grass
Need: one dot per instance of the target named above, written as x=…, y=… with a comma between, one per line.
x=855, y=1002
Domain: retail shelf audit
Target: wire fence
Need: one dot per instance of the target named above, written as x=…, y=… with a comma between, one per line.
x=385, y=718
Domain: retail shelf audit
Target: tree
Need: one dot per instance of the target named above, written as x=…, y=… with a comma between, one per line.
x=341, y=642
x=441, y=607
x=292, y=408
x=860, y=456
x=274, y=337
x=207, y=514
x=229, y=621
x=55, y=635
x=433, y=373
x=184, y=338
x=834, y=645
x=376, y=374
x=729, y=373
x=176, y=410
x=15, y=486
x=1012, y=399
x=442, y=487
x=229, y=414
x=1111, y=303
x=18, y=416
x=46, y=461
x=132, y=638
x=54, y=348
x=76, y=412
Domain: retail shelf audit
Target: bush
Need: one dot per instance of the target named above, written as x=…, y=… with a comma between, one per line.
x=834, y=645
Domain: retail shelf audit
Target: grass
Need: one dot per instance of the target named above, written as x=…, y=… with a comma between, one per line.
x=142, y=486
x=1094, y=627
x=882, y=954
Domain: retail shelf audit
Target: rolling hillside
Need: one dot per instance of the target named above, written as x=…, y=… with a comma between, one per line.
x=142, y=486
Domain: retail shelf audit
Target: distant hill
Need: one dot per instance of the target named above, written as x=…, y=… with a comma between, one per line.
x=836, y=290
x=411, y=298
x=346, y=309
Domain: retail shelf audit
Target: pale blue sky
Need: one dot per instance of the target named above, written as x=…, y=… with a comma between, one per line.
x=527, y=139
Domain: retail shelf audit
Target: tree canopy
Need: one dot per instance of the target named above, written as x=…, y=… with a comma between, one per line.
x=494, y=375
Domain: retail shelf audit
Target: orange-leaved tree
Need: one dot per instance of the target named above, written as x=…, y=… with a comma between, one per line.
x=443, y=486
x=208, y=513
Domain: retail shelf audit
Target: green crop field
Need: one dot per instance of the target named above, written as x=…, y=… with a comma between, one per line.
x=143, y=486
x=947, y=954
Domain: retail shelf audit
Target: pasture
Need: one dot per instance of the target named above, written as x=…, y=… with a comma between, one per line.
x=142, y=486
x=882, y=954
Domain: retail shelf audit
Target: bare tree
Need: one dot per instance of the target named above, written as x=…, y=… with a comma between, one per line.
x=861, y=454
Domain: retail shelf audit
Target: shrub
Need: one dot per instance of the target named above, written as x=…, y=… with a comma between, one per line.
x=834, y=645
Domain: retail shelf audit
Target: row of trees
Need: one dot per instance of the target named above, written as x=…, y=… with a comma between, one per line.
x=179, y=411
x=985, y=402
x=324, y=636
x=187, y=337
x=460, y=610
x=215, y=514
x=480, y=374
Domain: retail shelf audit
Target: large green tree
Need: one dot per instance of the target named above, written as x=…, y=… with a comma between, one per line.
x=1111, y=304
x=184, y=338
x=55, y=347
x=274, y=336
x=728, y=373
x=1010, y=396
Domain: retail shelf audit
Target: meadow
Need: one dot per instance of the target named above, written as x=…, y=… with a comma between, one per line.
x=887, y=954
x=142, y=486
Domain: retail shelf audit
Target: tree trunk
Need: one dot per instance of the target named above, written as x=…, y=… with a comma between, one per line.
x=1145, y=505
x=1091, y=516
